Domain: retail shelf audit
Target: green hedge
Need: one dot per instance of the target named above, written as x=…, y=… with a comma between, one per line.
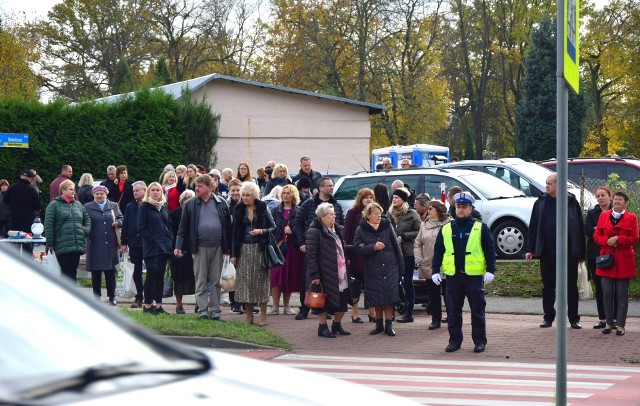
x=143, y=132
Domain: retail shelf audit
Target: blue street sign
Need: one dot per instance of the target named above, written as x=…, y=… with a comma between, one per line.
x=9, y=140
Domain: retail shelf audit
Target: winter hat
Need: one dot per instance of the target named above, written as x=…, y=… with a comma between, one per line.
x=402, y=193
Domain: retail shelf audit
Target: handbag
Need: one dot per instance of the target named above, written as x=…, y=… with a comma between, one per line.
x=117, y=230
x=584, y=286
x=355, y=287
x=605, y=261
x=167, y=286
x=315, y=300
x=271, y=254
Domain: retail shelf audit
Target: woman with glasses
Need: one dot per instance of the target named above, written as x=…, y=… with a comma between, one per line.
x=244, y=173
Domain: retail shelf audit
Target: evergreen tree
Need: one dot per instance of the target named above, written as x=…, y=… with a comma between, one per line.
x=122, y=78
x=469, y=150
x=535, y=126
x=202, y=129
x=161, y=74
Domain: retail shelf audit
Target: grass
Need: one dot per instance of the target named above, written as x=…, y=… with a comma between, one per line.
x=521, y=279
x=190, y=325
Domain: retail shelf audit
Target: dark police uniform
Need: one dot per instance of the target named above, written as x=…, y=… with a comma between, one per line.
x=464, y=249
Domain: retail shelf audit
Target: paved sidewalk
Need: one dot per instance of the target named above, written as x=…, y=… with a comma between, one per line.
x=512, y=330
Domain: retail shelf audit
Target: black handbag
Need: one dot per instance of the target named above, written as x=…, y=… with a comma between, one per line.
x=605, y=261
x=355, y=287
x=271, y=254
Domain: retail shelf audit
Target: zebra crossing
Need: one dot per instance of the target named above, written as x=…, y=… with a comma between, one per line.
x=454, y=382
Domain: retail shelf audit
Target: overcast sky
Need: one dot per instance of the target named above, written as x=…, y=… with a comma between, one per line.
x=41, y=7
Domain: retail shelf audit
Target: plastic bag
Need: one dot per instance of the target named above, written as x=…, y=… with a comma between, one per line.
x=167, y=287
x=584, y=286
x=50, y=263
x=228, y=275
x=125, y=288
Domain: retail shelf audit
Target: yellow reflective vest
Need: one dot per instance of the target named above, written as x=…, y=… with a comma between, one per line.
x=474, y=263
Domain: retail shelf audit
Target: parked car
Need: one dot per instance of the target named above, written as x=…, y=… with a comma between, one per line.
x=628, y=169
x=334, y=176
x=74, y=350
x=505, y=209
x=526, y=176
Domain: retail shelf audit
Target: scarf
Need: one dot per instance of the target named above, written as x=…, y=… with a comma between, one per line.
x=102, y=205
x=617, y=215
x=67, y=199
x=157, y=204
x=342, y=262
x=397, y=212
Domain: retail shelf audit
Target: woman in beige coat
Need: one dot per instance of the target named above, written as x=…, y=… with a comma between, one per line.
x=437, y=216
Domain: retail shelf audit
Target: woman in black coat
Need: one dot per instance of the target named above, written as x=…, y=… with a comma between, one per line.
x=154, y=228
x=121, y=191
x=184, y=282
x=252, y=224
x=383, y=265
x=327, y=265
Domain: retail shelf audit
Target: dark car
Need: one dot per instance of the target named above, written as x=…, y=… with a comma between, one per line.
x=628, y=169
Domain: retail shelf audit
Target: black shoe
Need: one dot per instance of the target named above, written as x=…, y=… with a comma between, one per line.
x=434, y=325
x=112, y=301
x=405, y=319
x=546, y=324
x=150, y=310
x=576, y=325
x=203, y=316
x=452, y=347
x=357, y=320
x=160, y=310
x=599, y=325
x=323, y=331
x=620, y=332
x=371, y=319
x=302, y=315
x=336, y=328
x=444, y=320
x=219, y=319
x=379, y=328
x=479, y=348
x=606, y=330
x=388, y=328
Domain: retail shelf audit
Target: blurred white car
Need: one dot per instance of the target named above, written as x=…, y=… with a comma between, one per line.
x=60, y=346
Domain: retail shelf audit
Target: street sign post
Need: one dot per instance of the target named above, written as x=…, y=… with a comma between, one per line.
x=571, y=44
x=9, y=140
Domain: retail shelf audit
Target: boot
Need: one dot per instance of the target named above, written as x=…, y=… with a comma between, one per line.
x=263, y=315
x=378, y=328
x=388, y=328
x=323, y=331
x=249, y=313
x=336, y=328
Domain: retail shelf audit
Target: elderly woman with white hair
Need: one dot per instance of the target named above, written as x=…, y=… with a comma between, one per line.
x=327, y=266
x=102, y=245
x=181, y=267
x=252, y=223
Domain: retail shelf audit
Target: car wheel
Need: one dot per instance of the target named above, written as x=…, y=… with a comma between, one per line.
x=510, y=239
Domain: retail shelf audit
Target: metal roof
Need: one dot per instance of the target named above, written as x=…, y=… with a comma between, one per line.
x=175, y=89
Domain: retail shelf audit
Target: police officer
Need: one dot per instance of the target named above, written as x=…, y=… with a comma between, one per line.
x=464, y=250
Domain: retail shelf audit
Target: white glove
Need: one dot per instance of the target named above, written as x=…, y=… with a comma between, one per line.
x=488, y=277
x=436, y=278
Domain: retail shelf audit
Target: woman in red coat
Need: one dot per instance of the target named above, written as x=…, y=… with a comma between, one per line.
x=617, y=233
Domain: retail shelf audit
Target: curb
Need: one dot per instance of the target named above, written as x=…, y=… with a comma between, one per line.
x=217, y=342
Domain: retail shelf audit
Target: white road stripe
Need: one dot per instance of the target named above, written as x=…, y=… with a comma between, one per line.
x=476, y=402
x=381, y=368
x=475, y=391
x=471, y=381
x=484, y=364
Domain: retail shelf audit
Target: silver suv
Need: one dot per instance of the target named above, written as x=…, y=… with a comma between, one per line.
x=505, y=209
x=526, y=176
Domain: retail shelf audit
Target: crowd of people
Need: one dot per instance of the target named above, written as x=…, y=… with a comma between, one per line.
x=190, y=220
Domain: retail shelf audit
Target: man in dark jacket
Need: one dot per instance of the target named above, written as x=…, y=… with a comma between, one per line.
x=303, y=220
x=206, y=225
x=23, y=202
x=307, y=173
x=110, y=182
x=132, y=241
x=541, y=243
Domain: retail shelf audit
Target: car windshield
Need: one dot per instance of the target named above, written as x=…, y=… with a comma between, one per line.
x=535, y=171
x=489, y=187
x=48, y=333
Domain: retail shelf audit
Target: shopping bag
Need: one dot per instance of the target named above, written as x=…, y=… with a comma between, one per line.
x=167, y=288
x=125, y=288
x=50, y=263
x=228, y=275
x=584, y=286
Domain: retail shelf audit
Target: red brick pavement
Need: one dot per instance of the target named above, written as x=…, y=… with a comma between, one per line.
x=510, y=336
